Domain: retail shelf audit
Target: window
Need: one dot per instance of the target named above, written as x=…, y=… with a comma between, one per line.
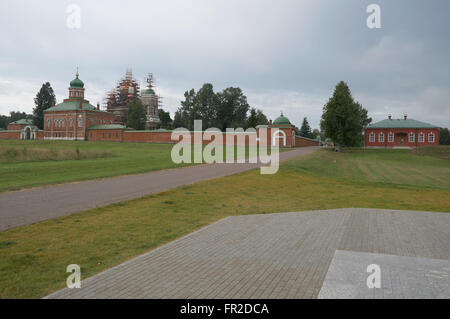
x=109, y=135
x=117, y=135
x=421, y=137
x=63, y=123
x=431, y=138
x=411, y=137
x=381, y=137
x=80, y=122
x=391, y=137
x=48, y=122
x=70, y=122
x=103, y=135
x=372, y=137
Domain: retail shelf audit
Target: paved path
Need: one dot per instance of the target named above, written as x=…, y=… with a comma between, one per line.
x=399, y=277
x=268, y=256
x=34, y=205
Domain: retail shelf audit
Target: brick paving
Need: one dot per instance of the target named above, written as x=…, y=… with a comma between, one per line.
x=399, y=277
x=284, y=255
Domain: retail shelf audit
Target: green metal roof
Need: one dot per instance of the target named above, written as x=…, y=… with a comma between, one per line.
x=281, y=120
x=400, y=123
x=76, y=83
x=23, y=122
x=149, y=91
x=309, y=139
x=107, y=127
x=71, y=106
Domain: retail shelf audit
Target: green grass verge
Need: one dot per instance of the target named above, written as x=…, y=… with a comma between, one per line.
x=33, y=259
x=122, y=158
x=401, y=167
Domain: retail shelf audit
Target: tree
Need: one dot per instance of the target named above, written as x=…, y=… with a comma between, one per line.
x=261, y=118
x=136, y=115
x=232, y=109
x=166, y=121
x=343, y=119
x=256, y=118
x=44, y=99
x=224, y=109
x=305, y=129
x=444, y=136
x=13, y=116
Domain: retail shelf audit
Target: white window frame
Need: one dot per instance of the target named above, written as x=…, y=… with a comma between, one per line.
x=421, y=137
x=372, y=137
x=381, y=137
x=411, y=137
x=391, y=137
x=431, y=137
x=80, y=122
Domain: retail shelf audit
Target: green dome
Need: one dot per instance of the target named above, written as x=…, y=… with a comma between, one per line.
x=76, y=83
x=281, y=120
x=149, y=91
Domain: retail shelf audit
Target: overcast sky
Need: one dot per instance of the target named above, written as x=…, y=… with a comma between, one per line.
x=285, y=55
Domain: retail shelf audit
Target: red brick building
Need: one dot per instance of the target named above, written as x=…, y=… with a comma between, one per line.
x=401, y=133
x=76, y=119
x=71, y=119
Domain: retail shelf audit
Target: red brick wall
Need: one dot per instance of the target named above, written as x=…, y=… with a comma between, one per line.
x=105, y=135
x=398, y=134
x=303, y=142
x=9, y=135
x=13, y=127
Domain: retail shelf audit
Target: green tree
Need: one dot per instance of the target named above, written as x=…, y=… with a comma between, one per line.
x=166, y=120
x=256, y=118
x=342, y=118
x=305, y=129
x=136, y=115
x=232, y=109
x=205, y=104
x=44, y=99
x=444, y=136
x=13, y=116
x=224, y=109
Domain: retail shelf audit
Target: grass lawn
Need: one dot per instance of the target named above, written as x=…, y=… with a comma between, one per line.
x=21, y=165
x=33, y=258
x=426, y=167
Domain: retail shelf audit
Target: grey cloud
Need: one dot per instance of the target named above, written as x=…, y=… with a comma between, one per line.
x=285, y=54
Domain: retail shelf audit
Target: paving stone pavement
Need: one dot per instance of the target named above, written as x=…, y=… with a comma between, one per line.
x=398, y=277
x=285, y=255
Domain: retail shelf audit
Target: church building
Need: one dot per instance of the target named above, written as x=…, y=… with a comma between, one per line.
x=70, y=119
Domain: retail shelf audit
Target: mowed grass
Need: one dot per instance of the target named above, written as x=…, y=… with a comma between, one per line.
x=425, y=167
x=57, y=162
x=33, y=259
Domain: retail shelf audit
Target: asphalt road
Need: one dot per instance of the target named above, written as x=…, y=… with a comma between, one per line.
x=30, y=206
